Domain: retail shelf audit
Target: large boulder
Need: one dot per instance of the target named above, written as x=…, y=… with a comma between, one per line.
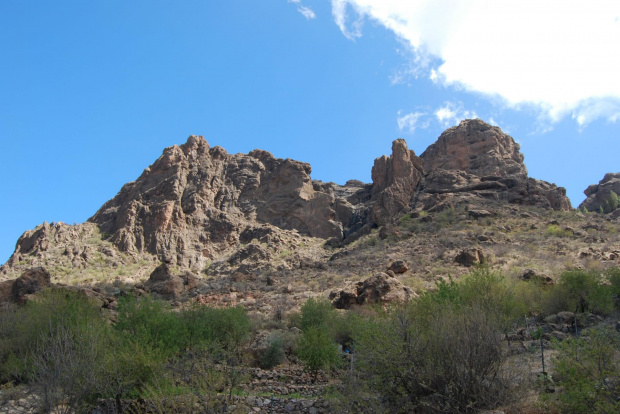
x=380, y=288
x=599, y=196
x=477, y=160
x=164, y=283
x=30, y=282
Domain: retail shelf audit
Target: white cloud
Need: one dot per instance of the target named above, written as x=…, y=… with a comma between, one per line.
x=451, y=113
x=409, y=122
x=339, y=11
x=560, y=56
x=307, y=12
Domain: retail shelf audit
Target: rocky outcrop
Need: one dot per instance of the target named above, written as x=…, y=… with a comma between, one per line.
x=169, y=286
x=30, y=282
x=380, y=288
x=470, y=257
x=195, y=201
x=475, y=159
x=599, y=196
x=476, y=148
x=395, y=179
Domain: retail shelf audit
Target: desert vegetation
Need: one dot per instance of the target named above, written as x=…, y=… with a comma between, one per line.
x=463, y=346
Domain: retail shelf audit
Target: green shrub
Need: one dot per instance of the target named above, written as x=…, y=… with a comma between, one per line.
x=613, y=276
x=443, y=349
x=56, y=344
x=581, y=291
x=451, y=351
x=149, y=322
x=316, y=313
x=447, y=217
x=612, y=203
x=273, y=354
x=588, y=369
x=554, y=230
x=317, y=350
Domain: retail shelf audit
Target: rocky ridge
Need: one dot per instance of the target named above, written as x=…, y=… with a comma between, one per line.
x=197, y=205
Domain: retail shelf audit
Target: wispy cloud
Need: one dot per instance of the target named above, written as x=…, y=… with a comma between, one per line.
x=559, y=56
x=451, y=113
x=409, y=122
x=351, y=30
x=305, y=11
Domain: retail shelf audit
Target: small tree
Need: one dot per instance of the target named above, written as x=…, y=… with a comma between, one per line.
x=317, y=350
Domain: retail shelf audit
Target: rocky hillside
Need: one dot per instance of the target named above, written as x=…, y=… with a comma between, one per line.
x=255, y=230
x=196, y=204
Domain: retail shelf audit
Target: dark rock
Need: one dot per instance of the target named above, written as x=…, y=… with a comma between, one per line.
x=469, y=257
x=398, y=266
x=599, y=195
x=531, y=275
x=164, y=283
x=395, y=180
x=380, y=288
x=30, y=282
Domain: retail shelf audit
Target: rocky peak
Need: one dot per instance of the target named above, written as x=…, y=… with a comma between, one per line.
x=395, y=179
x=194, y=200
x=476, y=148
x=599, y=196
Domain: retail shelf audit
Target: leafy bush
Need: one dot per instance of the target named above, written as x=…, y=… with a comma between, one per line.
x=443, y=349
x=556, y=231
x=613, y=276
x=151, y=322
x=317, y=350
x=316, y=313
x=612, y=203
x=273, y=354
x=588, y=369
x=581, y=291
x=56, y=344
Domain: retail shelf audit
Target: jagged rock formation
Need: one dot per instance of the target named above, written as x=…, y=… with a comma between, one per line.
x=195, y=201
x=197, y=204
x=599, y=196
x=395, y=180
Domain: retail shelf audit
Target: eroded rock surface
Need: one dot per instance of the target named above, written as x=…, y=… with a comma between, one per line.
x=380, y=288
x=599, y=195
x=196, y=200
x=198, y=205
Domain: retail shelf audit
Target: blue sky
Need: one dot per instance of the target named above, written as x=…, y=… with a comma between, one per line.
x=91, y=92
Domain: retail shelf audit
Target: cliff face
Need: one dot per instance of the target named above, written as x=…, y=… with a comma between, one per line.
x=600, y=197
x=196, y=203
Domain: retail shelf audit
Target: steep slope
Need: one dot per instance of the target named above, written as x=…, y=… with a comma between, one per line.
x=197, y=205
